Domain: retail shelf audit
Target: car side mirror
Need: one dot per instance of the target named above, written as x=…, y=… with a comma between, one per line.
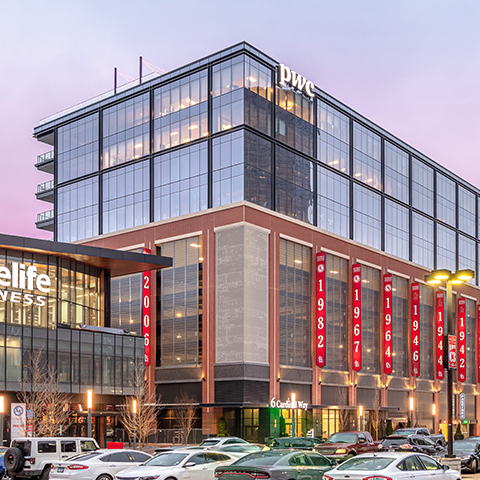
x=189, y=464
x=439, y=448
x=445, y=467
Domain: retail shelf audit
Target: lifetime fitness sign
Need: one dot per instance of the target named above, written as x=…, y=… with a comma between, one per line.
x=287, y=77
x=21, y=277
x=288, y=404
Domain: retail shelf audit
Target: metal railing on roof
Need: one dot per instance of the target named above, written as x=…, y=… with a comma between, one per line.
x=45, y=157
x=44, y=216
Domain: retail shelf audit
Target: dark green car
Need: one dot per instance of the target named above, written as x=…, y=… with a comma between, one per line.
x=302, y=443
x=277, y=465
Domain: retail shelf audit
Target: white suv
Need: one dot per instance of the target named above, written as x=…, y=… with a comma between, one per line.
x=32, y=458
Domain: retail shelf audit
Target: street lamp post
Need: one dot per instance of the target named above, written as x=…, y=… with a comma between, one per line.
x=360, y=413
x=293, y=414
x=411, y=411
x=434, y=411
x=2, y=412
x=134, y=410
x=450, y=279
x=89, y=416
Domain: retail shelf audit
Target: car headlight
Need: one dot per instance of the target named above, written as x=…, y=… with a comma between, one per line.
x=150, y=477
x=340, y=450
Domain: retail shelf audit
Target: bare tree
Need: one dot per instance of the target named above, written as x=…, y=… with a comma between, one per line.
x=144, y=422
x=46, y=405
x=185, y=412
x=375, y=415
x=343, y=413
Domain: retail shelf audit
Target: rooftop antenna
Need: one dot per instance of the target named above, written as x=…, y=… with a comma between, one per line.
x=115, y=81
x=140, y=73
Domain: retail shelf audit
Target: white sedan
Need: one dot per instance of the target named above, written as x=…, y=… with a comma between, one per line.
x=392, y=466
x=98, y=465
x=179, y=464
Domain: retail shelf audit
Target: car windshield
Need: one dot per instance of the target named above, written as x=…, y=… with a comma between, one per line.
x=366, y=463
x=88, y=446
x=467, y=447
x=259, y=459
x=394, y=441
x=167, y=459
x=84, y=456
x=209, y=443
x=342, y=438
x=405, y=431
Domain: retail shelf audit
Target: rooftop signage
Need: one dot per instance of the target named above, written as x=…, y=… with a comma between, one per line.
x=290, y=78
x=288, y=404
x=21, y=277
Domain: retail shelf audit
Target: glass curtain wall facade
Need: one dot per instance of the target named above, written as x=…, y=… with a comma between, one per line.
x=224, y=132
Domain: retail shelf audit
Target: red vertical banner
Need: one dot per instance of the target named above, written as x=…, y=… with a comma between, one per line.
x=321, y=309
x=478, y=342
x=357, y=317
x=387, y=323
x=146, y=277
x=462, y=341
x=415, y=329
x=440, y=314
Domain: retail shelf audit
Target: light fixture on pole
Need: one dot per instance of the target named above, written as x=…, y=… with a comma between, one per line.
x=411, y=405
x=434, y=411
x=457, y=278
x=360, y=414
x=89, y=416
x=293, y=414
x=134, y=411
x=2, y=412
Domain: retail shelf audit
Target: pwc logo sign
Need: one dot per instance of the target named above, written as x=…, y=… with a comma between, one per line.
x=287, y=77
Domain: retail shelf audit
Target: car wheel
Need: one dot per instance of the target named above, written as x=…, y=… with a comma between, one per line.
x=474, y=466
x=104, y=476
x=13, y=459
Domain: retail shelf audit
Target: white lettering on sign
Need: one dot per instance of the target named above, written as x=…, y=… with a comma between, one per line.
x=288, y=404
x=21, y=277
x=289, y=77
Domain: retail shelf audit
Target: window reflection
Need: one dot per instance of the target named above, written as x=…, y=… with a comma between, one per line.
x=422, y=187
x=396, y=229
x=366, y=156
x=446, y=200
x=422, y=240
x=466, y=211
x=396, y=173
x=367, y=217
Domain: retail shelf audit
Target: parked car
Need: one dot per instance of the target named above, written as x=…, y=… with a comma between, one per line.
x=179, y=464
x=414, y=443
x=99, y=465
x=341, y=446
x=32, y=458
x=2, y=465
x=469, y=454
x=437, y=438
x=277, y=465
x=241, y=448
x=217, y=441
x=304, y=443
x=393, y=466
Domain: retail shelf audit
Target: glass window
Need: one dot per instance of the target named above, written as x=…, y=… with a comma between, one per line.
x=333, y=137
x=466, y=254
x=126, y=131
x=422, y=186
x=180, y=182
x=367, y=217
x=77, y=150
x=370, y=320
x=294, y=185
x=466, y=211
x=470, y=311
x=337, y=312
x=294, y=120
x=397, y=229
x=119, y=457
x=400, y=326
x=446, y=248
x=228, y=169
x=68, y=446
x=427, y=330
x=258, y=170
x=77, y=208
x=333, y=202
x=126, y=197
x=126, y=303
x=446, y=203
x=180, y=111
x=396, y=173
x=366, y=156
x=295, y=304
x=422, y=240
x=180, y=323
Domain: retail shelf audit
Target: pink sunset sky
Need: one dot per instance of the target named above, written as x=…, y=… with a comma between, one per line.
x=412, y=67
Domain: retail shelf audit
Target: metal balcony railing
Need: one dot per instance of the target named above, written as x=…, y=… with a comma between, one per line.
x=45, y=186
x=44, y=216
x=45, y=157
